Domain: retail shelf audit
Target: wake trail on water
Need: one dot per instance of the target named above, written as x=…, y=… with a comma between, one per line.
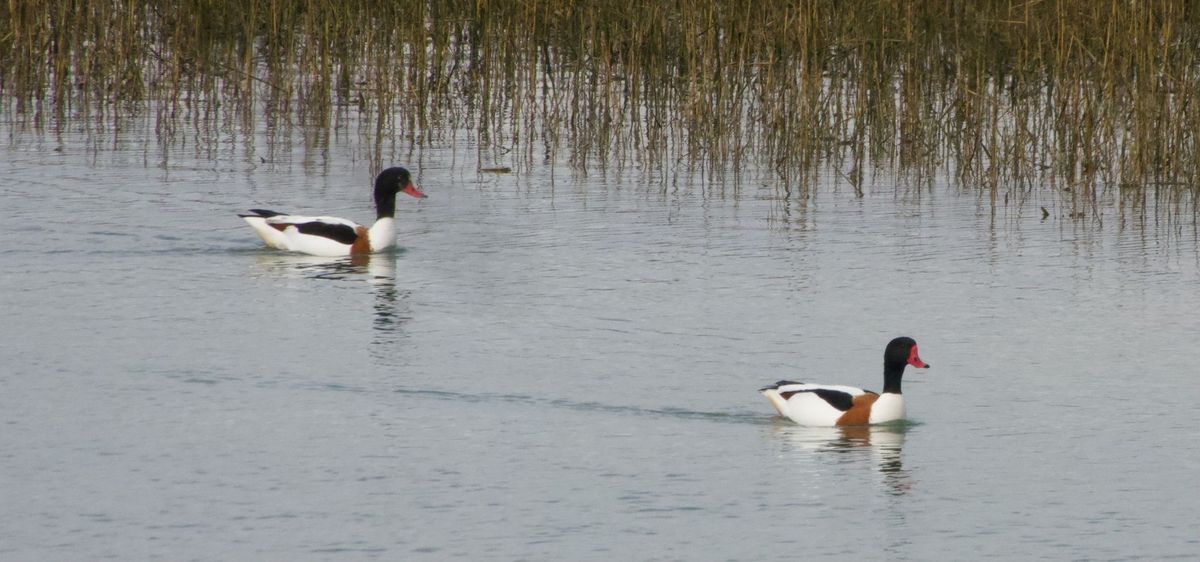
x=590, y=406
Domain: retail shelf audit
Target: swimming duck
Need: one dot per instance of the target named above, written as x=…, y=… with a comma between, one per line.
x=824, y=405
x=334, y=236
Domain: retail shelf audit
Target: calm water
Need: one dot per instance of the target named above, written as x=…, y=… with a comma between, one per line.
x=559, y=367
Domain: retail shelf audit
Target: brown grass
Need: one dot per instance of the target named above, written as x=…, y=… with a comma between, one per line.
x=1014, y=97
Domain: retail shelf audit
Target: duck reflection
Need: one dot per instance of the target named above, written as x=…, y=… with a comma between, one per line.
x=291, y=265
x=391, y=302
x=880, y=445
x=378, y=270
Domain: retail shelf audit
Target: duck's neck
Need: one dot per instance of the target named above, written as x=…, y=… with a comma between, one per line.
x=891, y=377
x=385, y=205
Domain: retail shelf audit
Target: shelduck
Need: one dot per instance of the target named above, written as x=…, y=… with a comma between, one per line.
x=334, y=236
x=826, y=405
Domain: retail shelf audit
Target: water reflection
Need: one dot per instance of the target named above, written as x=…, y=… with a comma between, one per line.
x=879, y=445
x=280, y=264
x=391, y=302
x=378, y=270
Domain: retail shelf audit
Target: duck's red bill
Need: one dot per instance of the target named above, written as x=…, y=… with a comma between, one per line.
x=412, y=190
x=915, y=360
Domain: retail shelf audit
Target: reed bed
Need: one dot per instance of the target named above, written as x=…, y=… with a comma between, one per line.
x=1082, y=97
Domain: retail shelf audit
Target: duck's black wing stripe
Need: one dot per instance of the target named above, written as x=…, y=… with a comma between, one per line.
x=778, y=384
x=264, y=213
x=841, y=400
x=337, y=232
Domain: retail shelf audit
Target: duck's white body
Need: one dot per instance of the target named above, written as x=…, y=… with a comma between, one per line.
x=335, y=236
x=809, y=404
x=828, y=404
x=311, y=235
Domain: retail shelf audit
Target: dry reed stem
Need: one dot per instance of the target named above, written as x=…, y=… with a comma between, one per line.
x=1003, y=95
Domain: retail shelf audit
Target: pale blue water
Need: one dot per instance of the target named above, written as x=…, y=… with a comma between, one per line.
x=564, y=367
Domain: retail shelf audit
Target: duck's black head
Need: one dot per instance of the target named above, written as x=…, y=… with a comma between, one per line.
x=390, y=182
x=903, y=351
x=899, y=353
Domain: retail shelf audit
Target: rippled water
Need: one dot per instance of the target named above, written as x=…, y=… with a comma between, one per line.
x=559, y=367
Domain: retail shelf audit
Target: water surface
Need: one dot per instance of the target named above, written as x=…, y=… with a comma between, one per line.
x=561, y=366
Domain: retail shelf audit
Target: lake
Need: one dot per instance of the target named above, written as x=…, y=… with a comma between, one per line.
x=564, y=366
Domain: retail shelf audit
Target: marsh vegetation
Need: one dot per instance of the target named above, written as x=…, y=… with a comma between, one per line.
x=1084, y=97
